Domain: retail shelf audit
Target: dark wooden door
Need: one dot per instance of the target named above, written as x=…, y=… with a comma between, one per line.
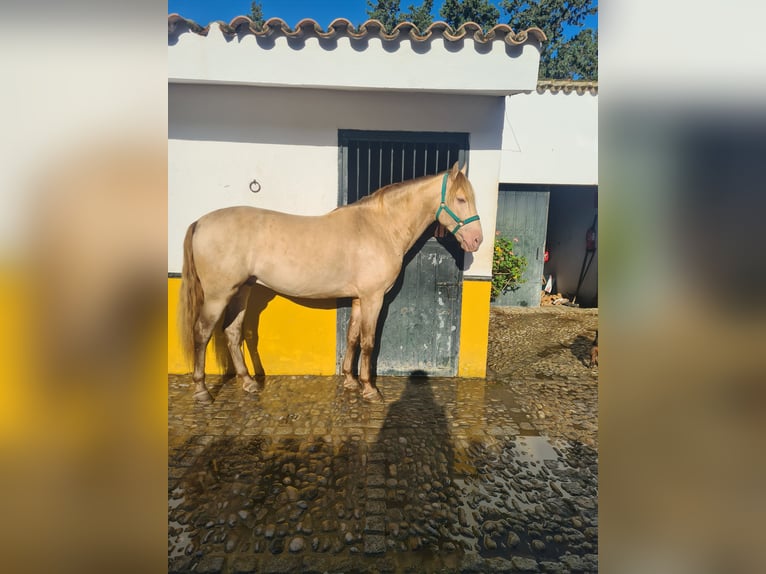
x=419, y=326
x=522, y=213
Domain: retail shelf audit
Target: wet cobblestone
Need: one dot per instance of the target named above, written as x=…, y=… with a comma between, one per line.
x=445, y=475
x=543, y=354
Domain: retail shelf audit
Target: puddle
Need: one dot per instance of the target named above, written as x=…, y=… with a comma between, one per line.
x=179, y=539
x=535, y=449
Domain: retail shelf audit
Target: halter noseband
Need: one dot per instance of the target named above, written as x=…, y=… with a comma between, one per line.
x=443, y=206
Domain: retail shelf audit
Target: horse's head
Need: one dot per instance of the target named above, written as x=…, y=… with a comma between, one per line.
x=457, y=210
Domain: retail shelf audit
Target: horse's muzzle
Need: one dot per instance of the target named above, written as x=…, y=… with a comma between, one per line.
x=471, y=237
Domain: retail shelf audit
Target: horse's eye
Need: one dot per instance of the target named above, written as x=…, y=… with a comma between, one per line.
x=462, y=200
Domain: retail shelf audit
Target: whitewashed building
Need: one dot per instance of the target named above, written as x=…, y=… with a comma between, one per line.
x=549, y=185
x=314, y=118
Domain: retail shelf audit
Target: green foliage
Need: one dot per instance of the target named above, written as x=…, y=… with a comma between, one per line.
x=507, y=268
x=389, y=13
x=458, y=12
x=573, y=59
x=576, y=59
x=420, y=15
x=256, y=14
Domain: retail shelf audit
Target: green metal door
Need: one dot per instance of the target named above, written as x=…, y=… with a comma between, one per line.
x=419, y=324
x=522, y=214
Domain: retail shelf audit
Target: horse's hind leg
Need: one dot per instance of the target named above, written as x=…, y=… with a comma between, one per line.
x=232, y=326
x=352, y=343
x=209, y=314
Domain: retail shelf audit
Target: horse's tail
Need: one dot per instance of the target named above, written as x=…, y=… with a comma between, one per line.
x=191, y=296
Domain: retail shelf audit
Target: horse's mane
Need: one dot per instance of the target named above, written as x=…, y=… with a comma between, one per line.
x=381, y=193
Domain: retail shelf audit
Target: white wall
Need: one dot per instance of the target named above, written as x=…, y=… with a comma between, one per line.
x=553, y=139
x=550, y=138
x=370, y=64
x=222, y=137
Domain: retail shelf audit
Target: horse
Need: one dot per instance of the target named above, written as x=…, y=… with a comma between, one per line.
x=355, y=251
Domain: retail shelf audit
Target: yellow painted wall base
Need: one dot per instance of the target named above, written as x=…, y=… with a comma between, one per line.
x=299, y=338
x=282, y=336
x=474, y=329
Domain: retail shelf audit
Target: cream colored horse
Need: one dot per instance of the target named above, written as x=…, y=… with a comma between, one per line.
x=354, y=251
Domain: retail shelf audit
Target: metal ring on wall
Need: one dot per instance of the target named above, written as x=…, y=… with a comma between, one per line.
x=257, y=185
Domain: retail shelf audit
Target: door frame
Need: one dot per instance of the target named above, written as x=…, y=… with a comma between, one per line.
x=345, y=136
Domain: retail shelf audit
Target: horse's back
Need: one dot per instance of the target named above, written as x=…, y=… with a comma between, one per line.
x=301, y=256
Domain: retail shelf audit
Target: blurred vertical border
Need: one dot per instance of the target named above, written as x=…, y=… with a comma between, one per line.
x=83, y=217
x=83, y=287
x=682, y=333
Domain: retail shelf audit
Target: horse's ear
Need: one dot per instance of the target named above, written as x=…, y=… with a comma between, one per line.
x=464, y=169
x=455, y=169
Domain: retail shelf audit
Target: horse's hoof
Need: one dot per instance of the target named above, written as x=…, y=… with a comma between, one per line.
x=372, y=395
x=351, y=384
x=203, y=396
x=251, y=386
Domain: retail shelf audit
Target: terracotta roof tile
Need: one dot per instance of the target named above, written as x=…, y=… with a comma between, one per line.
x=567, y=86
x=342, y=27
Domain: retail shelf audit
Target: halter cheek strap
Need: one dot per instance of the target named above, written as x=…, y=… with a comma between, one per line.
x=443, y=206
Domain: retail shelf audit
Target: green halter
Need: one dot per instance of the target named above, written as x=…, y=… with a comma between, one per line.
x=443, y=206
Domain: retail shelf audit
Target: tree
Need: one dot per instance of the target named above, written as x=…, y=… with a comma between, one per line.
x=421, y=15
x=561, y=58
x=576, y=59
x=458, y=12
x=389, y=13
x=256, y=14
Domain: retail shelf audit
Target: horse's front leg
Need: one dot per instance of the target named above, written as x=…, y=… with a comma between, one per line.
x=370, y=311
x=352, y=342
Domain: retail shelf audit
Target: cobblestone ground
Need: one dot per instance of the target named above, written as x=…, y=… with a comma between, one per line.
x=543, y=355
x=445, y=475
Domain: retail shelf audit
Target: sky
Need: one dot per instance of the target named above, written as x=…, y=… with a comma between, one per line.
x=293, y=11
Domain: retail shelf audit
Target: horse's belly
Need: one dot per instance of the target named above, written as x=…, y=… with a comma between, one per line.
x=320, y=275
x=306, y=285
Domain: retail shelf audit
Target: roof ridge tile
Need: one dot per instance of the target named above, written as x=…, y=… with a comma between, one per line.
x=567, y=86
x=372, y=27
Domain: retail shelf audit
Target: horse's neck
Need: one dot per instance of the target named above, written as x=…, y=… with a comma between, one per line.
x=409, y=211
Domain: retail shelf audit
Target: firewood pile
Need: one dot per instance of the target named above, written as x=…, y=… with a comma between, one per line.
x=552, y=299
